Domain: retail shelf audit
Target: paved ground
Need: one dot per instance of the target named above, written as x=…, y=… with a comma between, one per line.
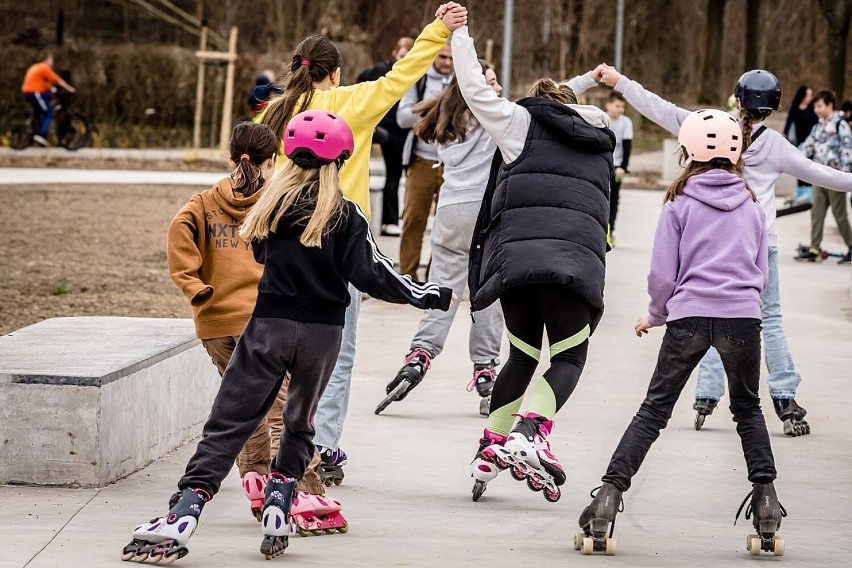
x=407, y=488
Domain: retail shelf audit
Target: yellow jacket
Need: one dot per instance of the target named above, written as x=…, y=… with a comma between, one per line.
x=363, y=105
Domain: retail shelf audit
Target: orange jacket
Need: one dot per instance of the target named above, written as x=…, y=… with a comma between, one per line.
x=39, y=78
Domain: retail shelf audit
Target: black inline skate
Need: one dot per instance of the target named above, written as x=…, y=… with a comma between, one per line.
x=793, y=416
x=598, y=521
x=409, y=376
x=704, y=407
x=484, y=376
x=768, y=513
x=277, y=523
x=163, y=540
x=331, y=465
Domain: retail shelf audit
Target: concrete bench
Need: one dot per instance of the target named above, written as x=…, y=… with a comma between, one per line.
x=85, y=401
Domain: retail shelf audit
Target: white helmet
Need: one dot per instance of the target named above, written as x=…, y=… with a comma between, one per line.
x=711, y=133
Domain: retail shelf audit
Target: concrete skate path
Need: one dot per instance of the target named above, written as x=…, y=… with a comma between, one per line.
x=407, y=488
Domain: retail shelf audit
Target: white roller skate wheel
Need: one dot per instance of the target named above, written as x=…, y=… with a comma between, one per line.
x=754, y=546
x=779, y=547
x=578, y=540
x=588, y=545
x=611, y=547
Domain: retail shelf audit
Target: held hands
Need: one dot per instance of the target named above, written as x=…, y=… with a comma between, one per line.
x=609, y=76
x=642, y=326
x=453, y=15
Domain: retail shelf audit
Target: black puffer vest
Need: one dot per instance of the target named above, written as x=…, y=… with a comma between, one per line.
x=544, y=216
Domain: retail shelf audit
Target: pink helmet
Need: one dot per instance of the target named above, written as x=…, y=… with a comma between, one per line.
x=316, y=137
x=711, y=133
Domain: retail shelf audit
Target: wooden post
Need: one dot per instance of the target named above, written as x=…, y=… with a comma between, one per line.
x=489, y=51
x=199, y=93
x=228, y=103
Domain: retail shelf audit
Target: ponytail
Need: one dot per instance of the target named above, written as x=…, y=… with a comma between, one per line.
x=251, y=145
x=314, y=59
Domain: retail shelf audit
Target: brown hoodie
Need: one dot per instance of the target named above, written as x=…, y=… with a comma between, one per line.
x=211, y=264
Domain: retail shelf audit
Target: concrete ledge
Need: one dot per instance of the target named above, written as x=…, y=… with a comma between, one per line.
x=85, y=401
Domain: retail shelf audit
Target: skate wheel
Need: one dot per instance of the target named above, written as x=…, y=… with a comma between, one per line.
x=578, y=540
x=169, y=558
x=552, y=496
x=611, y=547
x=478, y=490
x=140, y=557
x=338, y=481
x=748, y=541
x=302, y=532
x=534, y=485
x=328, y=482
x=155, y=558
x=699, y=421
x=317, y=532
x=330, y=531
x=259, y=516
x=344, y=529
x=588, y=545
x=754, y=546
x=502, y=464
x=517, y=474
x=778, y=549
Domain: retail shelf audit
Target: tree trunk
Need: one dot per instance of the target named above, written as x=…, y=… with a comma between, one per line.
x=713, y=52
x=837, y=14
x=752, y=39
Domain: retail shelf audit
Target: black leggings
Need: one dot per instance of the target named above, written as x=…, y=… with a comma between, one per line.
x=529, y=311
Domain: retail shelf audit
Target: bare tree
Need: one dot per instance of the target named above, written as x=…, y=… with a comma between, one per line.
x=837, y=13
x=713, y=52
x=752, y=38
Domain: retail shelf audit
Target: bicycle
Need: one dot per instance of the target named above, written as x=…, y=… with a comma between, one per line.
x=72, y=127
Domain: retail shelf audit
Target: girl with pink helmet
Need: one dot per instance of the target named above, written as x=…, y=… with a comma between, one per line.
x=706, y=291
x=312, y=242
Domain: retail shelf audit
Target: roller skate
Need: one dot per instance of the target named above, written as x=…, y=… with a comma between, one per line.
x=163, y=540
x=532, y=458
x=409, y=376
x=704, y=407
x=277, y=523
x=317, y=514
x=255, y=484
x=793, y=416
x=490, y=460
x=484, y=376
x=598, y=521
x=331, y=465
x=768, y=513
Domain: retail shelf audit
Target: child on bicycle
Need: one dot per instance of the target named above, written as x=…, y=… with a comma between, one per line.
x=37, y=90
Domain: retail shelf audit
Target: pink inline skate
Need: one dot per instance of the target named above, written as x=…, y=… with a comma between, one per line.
x=531, y=458
x=317, y=514
x=490, y=460
x=255, y=486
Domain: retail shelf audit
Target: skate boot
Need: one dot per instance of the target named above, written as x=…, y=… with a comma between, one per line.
x=484, y=376
x=317, y=515
x=163, y=540
x=490, y=460
x=331, y=465
x=704, y=407
x=409, y=376
x=792, y=415
x=598, y=521
x=532, y=458
x=255, y=485
x=768, y=513
x=808, y=254
x=277, y=523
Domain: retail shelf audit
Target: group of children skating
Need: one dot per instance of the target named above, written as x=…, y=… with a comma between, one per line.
x=272, y=260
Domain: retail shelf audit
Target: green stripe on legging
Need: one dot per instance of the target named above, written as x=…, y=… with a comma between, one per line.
x=569, y=343
x=523, y=346
x=543, y=400
x=501, y=420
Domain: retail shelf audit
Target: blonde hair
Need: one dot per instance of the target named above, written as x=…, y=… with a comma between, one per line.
x=315, y=194
x=693, y=168
x=550, y=89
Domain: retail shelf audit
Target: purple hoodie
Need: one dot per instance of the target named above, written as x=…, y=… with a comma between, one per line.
x=710, y=252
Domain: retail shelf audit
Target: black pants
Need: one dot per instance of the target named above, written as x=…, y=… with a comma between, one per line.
x=614, y=191
x=528, y=311
x=392, y=154
x=684, y=344
x=267, y=349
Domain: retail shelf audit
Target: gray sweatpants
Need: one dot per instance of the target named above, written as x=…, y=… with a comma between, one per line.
x=451, y=236
x=267, y=349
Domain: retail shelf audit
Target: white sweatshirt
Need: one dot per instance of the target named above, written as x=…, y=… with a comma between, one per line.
x=767, y=158
x=506, y=122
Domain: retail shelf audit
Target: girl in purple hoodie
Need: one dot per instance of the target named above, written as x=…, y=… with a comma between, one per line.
x=705, y=287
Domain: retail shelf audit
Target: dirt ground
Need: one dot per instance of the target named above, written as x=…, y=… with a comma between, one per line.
x=80, y=250
x=22, y=160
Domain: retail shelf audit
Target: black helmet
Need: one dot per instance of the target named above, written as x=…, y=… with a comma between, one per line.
x=759, y=90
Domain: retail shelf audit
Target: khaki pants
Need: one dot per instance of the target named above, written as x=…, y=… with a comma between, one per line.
x=261, y=448
x=823, y=198
x=422, y=186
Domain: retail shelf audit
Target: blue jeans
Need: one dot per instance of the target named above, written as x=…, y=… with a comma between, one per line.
x=783, y=376
x=331, y=412
x=42, y=110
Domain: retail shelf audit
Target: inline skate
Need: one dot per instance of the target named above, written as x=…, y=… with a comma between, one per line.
x=532, y=459
x=277, y=523
x=331, y=465
x=704, y=407
x=490, y=460
x=793, y=416
x=768, y=513
x=254, y=485
x=417, y=362
x=163, y=540
x=598, y=521
x=317, y=514
x=484, y=376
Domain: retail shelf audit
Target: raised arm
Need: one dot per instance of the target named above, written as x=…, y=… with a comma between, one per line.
x=792, y=161
x=656, y=108
x=506, y=122
x=582, y=83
